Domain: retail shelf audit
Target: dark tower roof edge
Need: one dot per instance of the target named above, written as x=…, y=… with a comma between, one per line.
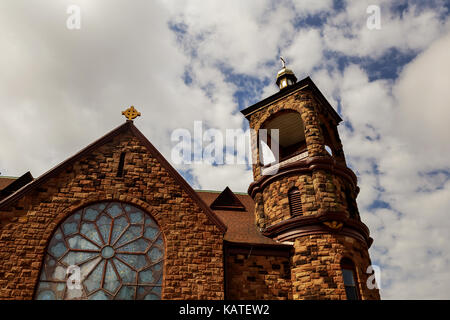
x=304, y=83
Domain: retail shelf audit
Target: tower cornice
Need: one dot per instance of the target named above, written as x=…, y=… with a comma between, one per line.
x=323, y=223
x=303, y=84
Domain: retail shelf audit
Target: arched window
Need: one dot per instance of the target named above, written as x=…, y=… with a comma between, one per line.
x=327, y=139
x=107, y=250
x=290, y=140
x=351, y=205
x=295, y=202
x=350, y=280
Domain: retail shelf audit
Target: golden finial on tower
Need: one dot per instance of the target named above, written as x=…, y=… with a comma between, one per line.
x=131, y=113
x=285, y=76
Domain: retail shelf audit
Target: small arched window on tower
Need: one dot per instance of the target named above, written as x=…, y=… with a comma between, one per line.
x=350, y=280
x=327, y=139
x=295, y=202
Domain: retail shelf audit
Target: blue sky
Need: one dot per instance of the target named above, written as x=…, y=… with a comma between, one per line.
x=183, y=61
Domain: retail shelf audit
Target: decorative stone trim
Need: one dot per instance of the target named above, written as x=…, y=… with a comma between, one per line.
x=275, y=250
x=324, y=223
x=334, y=225
x=76, y=205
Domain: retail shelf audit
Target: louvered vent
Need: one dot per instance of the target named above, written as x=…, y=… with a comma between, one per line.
x=295, y=202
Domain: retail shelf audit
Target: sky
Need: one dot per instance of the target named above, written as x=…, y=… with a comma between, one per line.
x=180, y=62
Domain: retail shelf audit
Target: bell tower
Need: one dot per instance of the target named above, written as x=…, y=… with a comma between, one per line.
x=305, y=194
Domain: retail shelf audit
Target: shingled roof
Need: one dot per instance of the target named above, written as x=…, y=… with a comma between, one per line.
x=241, y=226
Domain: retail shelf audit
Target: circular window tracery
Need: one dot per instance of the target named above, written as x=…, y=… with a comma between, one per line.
x=111, y=251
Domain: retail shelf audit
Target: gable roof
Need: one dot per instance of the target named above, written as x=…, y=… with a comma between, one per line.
x=127, y=126
x=300, y=85
x=241, y=227
x=227, y=200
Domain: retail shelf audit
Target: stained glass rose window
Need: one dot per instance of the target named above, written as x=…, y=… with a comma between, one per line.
x=105, y=251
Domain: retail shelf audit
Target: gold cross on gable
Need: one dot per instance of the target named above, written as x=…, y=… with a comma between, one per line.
x=131, y=113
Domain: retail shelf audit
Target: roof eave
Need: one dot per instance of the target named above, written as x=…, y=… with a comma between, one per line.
x=302, y=84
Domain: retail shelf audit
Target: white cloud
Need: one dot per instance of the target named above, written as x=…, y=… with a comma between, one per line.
x=243, y=35
x=423, y=96
x=412, y=30
x=209, y=177
x=305, y=52
x=310, y=7
x=122, y=55
x=409, y=120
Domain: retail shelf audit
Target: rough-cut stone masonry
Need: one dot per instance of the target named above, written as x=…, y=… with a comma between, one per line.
x=194, y=260
x=258, y=277
x=316, y=268
x=324, y=191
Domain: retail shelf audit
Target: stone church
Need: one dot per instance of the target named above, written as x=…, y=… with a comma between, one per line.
x=117, y=221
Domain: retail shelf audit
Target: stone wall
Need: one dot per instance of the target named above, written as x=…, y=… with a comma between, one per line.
x=321, y=192
x=276, y=202
x=258, y=277
x=194, y=260
x=316, y=269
